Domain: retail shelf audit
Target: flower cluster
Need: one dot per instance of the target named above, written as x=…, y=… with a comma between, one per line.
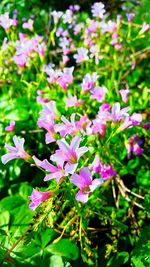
x=81, y=110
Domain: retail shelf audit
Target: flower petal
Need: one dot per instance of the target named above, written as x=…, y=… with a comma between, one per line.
x=96, y=183
x=82, y=197
x=70, y=168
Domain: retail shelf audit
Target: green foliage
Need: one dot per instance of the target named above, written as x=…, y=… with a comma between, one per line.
x=140, y=254
x=64, y=248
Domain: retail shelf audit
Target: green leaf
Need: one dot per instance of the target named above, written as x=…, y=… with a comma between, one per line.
x=25, y=190
x=64, y=248
x=141, y=253
x=4, y=221
x=47, y=236
x=21, y=114
x=56, y=261
x=147, y=202
x=133, y=163
x=118, y=260
x=2, y=254
x=10, y=203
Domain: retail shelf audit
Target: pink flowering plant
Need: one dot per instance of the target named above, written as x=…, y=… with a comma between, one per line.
x=74, y=137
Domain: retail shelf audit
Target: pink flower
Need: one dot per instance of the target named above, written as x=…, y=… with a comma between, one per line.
x=53, y=74
x=40, y=99
x=84, y=182
x=50, y=136
x=15, y=152
x=68, y=16
x=65, y=59
x=124, y=94
x=99, y=93
x=5, y=21
x=28, y=25
x=72, y=101
x=78, y=27
x=48, y=113
x=40, y=49
x=56, y=15
x=145, y=27
x=21, y=60
x=68, y=127
x=55, y=172
x=99, y=126
x=66, y=78
x=98, y=10
x=89, y=82
x=81, y=55
x=129, y=121
x=104, y=111
x=11, y=127
x=118, y=113
x=37, y=197
x=84, y=125
x=69, y=153
x=111, y=27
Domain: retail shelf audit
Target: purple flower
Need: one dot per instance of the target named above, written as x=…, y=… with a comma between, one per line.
x=74, y=7
x=38, y=197
x=10, y=127
x=146, y=125
x=105, y=170
x=69, y=153
x=133, y=145
x=130, y=17
x=98, y=10
x=124, y=94
x=15, y=152
x=81, y=55
x=99, y=93
x=84, y=182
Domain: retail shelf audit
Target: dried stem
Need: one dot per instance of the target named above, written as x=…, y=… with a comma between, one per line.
x=124, y=190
